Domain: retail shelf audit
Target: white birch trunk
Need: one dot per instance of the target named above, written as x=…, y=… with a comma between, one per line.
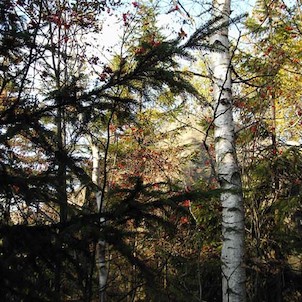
x=232, y=255
x=101, y=244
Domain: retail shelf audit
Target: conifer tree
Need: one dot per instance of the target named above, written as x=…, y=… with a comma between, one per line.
x=42, y=166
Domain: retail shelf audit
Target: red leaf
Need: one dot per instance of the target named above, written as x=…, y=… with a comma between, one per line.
x=140, y=51
x=16, y=188
x=184, y=220
x=254, y=128
x=186, y=203
x=288, y=28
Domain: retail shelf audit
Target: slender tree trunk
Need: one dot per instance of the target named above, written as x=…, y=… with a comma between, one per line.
x=101, y=244
x=61, y=144
x=61, y=193
x=62, y=184
x=232, y=255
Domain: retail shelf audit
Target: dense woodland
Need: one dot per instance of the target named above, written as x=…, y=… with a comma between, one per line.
x=119, y=171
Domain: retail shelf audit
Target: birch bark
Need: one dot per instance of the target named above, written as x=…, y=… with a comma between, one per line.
x=101, y=244
x=232, y=255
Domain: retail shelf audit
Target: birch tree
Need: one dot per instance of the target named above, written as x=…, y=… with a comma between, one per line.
x=228, y=172
x=101, y=244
